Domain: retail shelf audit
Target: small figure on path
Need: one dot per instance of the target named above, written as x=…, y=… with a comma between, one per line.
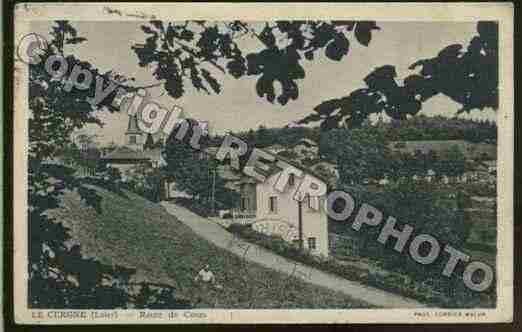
x=206, y=275
x=208, y=278
x=208, y=284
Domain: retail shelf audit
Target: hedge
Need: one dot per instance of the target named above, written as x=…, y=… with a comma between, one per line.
x=447, y=293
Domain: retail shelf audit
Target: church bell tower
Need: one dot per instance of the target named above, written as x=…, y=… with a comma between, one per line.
x=134, y=136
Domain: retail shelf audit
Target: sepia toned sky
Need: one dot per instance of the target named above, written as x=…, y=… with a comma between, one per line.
x=238, y=107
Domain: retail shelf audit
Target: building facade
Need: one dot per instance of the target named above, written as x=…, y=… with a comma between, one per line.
x=279, y=213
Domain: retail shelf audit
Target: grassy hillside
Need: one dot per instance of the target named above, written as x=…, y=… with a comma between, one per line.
x=130, y=231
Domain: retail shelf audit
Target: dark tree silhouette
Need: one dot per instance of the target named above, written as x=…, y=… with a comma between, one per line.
x=469, y=77
x=59, y=276
x=188, y=51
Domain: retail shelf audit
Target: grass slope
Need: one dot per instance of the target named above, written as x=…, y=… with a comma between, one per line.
x=133, y=232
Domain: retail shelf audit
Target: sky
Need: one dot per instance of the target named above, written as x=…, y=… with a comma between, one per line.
x=238, y=107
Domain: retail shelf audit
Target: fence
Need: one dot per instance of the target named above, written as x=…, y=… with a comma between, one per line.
x=243, y=217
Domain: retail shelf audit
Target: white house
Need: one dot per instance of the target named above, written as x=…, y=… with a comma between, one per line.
x=278, y=213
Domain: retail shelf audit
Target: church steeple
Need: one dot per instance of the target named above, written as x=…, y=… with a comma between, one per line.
x=134, y=136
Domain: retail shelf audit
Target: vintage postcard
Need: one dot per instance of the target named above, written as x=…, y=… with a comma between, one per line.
x=263, y=163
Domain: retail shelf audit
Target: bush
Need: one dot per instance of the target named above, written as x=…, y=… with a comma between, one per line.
x=478, y=189
x=113, y=174
x=146, y=182
x=429, y=209
x=408, y=279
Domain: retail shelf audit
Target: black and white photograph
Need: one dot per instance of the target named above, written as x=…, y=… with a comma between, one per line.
x=183, y=164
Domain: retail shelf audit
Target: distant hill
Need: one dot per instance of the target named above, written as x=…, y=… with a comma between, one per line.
x=131, y=231
x=474, y=151
x=418, y=128
x=426, y=128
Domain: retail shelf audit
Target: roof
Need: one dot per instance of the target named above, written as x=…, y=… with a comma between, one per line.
x=226, y=172
x=332, y=168
x=125, y=153
x=308, y=142
x=325, y=164
x=152, y=154
x=469, y=149
x=274, y=169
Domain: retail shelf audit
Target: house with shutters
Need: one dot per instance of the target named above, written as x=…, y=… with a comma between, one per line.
x=304, y=223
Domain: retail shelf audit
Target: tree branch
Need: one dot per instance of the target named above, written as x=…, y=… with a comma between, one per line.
x=194, y=54
x=244, y=26
x=128, y=87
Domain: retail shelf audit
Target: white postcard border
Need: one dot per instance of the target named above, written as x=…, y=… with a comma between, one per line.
x=502, y=12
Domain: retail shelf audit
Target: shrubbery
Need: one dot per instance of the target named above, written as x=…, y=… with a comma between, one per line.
x=478, y=189
x=429, y=209
x=433, y=290
x=146, y=182
x=113, y=174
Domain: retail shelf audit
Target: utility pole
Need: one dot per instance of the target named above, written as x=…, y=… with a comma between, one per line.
x=300, y=223
x=214, y=191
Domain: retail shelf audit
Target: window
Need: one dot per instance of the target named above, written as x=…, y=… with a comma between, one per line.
x=291, y=180
x=312, y=245
x=273, y=204
x=132, y=139
x=244, y=204
x=309, y=201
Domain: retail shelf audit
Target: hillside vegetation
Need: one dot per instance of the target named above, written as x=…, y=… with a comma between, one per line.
x=416, y=128
x=126, y=229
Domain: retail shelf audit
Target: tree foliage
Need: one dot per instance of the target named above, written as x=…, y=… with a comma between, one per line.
x=195, y=51
x=452, y=162
x=469, y=77
x=147, y=182
x=429, y=209
x=359, y=155
x=194, y=171
x=287, y=137
x=363, y=155
x=59, y=276
x=422, y=127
